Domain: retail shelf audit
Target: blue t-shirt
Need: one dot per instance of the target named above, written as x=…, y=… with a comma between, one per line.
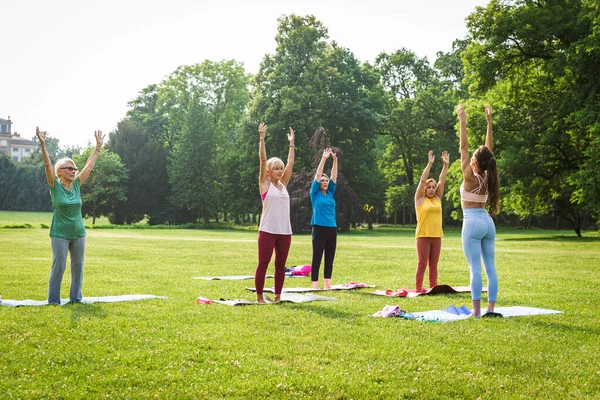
x=323, y=205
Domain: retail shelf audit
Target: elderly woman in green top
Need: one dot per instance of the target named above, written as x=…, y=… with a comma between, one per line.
x=67, y=232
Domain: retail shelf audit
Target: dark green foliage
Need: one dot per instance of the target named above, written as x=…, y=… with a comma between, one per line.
x=539, y=62
x=347, y=206
x=24, y=186
x=147, y=186
x=106, y=187
x=420, y=119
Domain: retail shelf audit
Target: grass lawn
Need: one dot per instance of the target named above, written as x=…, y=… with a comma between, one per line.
x=37, y=218
x=174, y=348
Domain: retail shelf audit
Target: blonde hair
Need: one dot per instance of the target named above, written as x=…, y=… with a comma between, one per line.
x=61, y=163
x=273, y=163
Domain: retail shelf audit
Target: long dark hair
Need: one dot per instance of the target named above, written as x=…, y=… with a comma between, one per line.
x=487, y=162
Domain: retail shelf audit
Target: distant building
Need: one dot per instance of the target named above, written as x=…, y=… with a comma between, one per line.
x=13, y=145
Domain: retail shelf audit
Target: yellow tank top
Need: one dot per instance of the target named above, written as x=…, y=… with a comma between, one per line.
x=429, y=218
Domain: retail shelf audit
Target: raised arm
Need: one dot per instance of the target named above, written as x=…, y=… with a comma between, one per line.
x=488, y=134
x=334, y=169
x=326, y=154
x=420, y=192
x=439, y=192
x=287, y=172
x=91, y=161
x=263, y=182
x=465, y=161
x=47, y=163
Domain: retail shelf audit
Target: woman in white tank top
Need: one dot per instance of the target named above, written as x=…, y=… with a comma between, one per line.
x=275, y=230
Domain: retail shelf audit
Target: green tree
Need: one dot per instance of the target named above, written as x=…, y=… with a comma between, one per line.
x=537, y=60
x=420, y=119
x=308, y=83
x=147, y=186
x=219, y=91
x=207, y=104
x=105, y=189
x=194, y=169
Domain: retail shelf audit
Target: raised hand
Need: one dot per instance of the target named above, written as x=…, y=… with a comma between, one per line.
x=488, y=113
x=445, y=157
x=99, y=139
x=461, y=113
x=431, y=157
x=262, y=129
x=333, y=155
x=41, y=135
x=291, y=137
x=326, y=153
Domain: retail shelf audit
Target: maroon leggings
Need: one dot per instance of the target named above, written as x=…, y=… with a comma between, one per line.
x=266, y=243
x=428, y=252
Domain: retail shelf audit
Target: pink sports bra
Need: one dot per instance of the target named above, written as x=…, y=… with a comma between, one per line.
x=475, y=194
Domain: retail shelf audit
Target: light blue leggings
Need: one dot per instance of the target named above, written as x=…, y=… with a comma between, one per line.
x=60, y=248
x=478, y=236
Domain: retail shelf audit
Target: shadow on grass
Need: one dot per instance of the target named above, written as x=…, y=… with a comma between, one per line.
x=567, y=328
x=567, y=239
x=80, y=310
x=322, y=311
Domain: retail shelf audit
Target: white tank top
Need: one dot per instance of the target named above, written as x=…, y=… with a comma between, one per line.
x=275, y=216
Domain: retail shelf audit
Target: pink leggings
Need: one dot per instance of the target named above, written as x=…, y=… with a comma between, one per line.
x=428, y=252
x=266, y=243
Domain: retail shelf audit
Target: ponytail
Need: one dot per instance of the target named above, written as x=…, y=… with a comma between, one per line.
x=486, y=162
x=493, y=186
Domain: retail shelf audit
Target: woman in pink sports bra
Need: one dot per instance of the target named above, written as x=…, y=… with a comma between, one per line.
x=480, y=182
x=275, y=230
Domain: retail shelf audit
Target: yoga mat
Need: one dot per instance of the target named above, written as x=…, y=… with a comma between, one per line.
x=239, y=277
x=85, y=300
x=347, y=286
x=411, y=293
x=285, y=297
x=228, y=278
x=448, y=315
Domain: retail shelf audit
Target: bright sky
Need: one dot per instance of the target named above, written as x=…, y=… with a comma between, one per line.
x=71, y=66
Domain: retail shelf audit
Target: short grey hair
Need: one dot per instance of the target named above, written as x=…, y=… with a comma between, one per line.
x=61, y=163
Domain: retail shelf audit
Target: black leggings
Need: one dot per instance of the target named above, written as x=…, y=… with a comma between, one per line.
x=323, y=239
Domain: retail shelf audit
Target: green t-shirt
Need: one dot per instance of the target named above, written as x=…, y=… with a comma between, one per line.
x=67, y=222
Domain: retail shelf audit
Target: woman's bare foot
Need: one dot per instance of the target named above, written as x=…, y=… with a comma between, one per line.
x=327, y=284
x=277, y=298
x=315, y=284
x=476, y=312
x=260, y=299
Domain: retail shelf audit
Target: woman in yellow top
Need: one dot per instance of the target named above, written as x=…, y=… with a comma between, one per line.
x=428, y=205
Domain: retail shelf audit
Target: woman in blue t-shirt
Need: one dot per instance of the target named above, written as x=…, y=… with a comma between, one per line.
x=324, y=227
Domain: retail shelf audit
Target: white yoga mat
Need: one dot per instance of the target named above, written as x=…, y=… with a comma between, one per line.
x=516, y=311
x=285, y=297
x=305, y=289
x=238, y=277
x=85, y=300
